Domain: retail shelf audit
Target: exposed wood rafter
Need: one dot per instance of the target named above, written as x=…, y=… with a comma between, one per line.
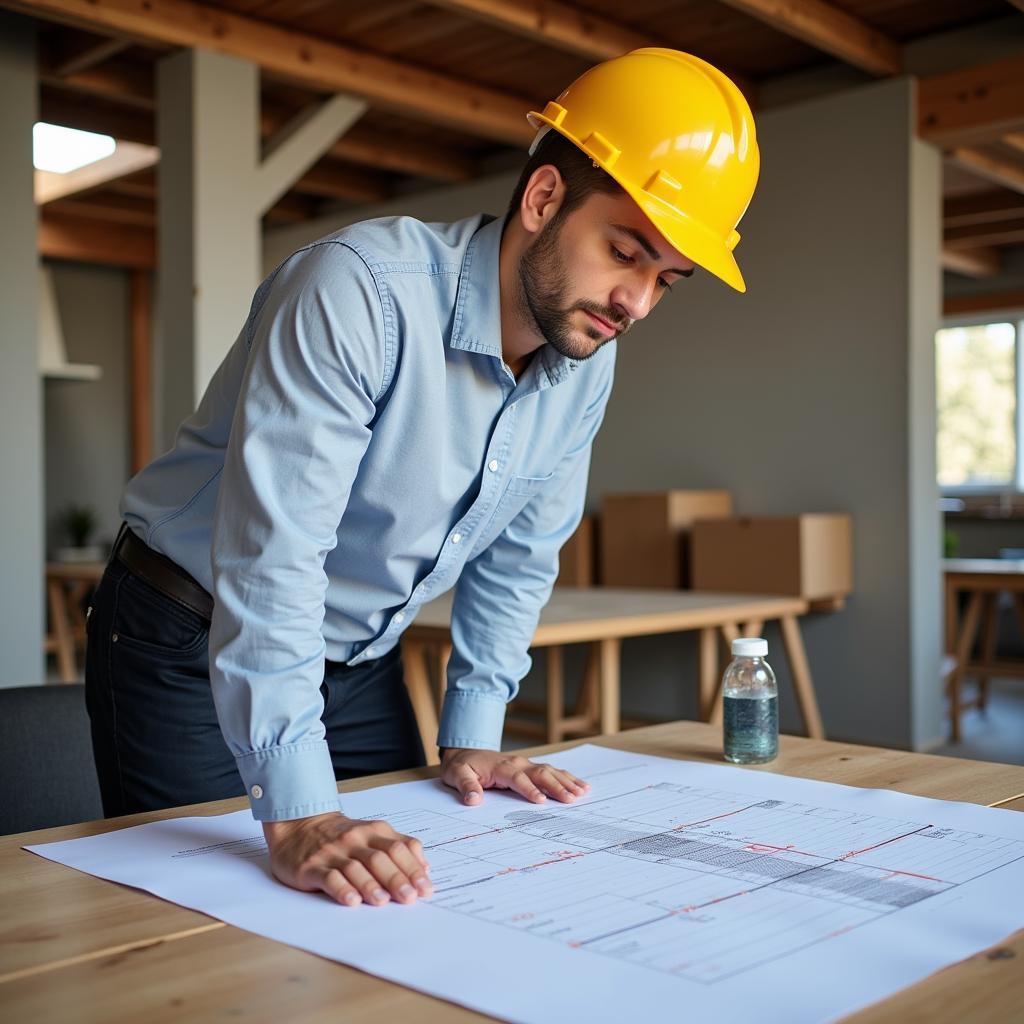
x=92, y=241
x=982, y=208
x=126, y=159
x=973, y=262
x=562, y=27
x=88, y=56
x=1004, y=232
x=973, y=105
x=1002, y=172
x=303, y=58
x=829, y=29
x=960, y=305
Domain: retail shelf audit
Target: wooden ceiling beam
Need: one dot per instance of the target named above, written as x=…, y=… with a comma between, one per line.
x=134, y=86
x=960, y=305
x=972, y=105
x=566, y=28
x=129, y=84
x=1015, y=140
x=126, y=159
x=329, y=182
x=109, y=209
x=982, y=208
x=86, y=240
x=83, y=57
x=365, y=146
x=829, y=29
x=291, y=209
x=303, y=58
x=976, y=236
x=583, y=33
x=972, y=262
x=123, y=123
x=1002, y=172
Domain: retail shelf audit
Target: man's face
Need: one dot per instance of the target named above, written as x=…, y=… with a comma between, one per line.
x=588, y=277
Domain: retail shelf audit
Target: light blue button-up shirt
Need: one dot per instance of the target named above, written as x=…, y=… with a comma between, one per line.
x=362, y=449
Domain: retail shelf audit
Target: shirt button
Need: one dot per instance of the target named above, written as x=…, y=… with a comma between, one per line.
x=257, y=792
x=456, y=537
x=399, y=617
x=371, y=651
x=493, y=465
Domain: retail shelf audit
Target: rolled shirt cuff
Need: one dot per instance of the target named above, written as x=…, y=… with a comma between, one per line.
x=471, y=719
x=292, y=781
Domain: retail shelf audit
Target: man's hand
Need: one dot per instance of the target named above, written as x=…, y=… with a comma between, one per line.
x=352, y=861
x=473, y=771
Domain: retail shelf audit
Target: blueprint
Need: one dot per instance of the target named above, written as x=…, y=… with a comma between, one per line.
x=721, y=890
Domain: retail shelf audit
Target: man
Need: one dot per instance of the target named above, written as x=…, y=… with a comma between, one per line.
x=408, y=408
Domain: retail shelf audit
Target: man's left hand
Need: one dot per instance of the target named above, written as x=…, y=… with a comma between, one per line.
x=473, y=771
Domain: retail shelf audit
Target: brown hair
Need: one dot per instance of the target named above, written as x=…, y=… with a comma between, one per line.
x=581, y=176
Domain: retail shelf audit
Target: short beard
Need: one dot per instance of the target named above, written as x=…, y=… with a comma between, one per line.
x=543, y=285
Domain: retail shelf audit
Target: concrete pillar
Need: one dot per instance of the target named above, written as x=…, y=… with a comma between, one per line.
x=208, y=258
x=21, y=423
x=214, y=186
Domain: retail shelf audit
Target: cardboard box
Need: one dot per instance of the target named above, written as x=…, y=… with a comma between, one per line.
x=807, y=556
x=645, y=537
x=577, y=557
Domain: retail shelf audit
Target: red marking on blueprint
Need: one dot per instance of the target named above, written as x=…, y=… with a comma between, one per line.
x=555, y=860
x=690, y=824
x=895, y=839
x=768, y=848
x=927, y=878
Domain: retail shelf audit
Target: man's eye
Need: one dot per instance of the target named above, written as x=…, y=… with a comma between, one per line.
x=662, y=283
x=621, y=256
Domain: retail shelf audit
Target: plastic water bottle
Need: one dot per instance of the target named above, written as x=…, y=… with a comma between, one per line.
x=751, y=699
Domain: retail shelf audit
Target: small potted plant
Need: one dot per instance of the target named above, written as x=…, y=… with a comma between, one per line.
x=77, y=523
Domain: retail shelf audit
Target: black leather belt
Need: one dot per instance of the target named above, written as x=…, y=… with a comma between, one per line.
x=160, y=572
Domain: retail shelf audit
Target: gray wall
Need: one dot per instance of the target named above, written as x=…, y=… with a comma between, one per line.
x=87, y=422
x=813, y=392
x=21, y=496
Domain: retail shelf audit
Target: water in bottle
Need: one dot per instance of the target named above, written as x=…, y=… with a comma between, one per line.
x=751, y=704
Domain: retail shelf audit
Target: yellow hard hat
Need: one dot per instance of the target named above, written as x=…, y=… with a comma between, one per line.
x=678, y=136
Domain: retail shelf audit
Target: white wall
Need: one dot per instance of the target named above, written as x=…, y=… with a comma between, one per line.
x=812, y=392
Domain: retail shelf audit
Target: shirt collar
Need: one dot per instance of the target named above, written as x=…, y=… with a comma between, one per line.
x=477, y=324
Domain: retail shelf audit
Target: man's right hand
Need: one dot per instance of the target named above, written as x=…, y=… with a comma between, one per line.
x=352, y=861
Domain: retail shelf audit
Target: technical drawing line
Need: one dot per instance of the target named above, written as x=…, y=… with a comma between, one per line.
x=857, y=853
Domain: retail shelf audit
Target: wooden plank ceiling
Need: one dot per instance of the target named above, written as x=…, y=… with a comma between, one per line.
x=448, y=83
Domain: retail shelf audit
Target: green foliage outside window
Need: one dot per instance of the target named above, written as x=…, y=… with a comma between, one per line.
x=977, y=406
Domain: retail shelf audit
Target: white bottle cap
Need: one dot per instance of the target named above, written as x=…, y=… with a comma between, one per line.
x=749, y=647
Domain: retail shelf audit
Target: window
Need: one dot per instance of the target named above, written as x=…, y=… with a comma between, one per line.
x=978, y=408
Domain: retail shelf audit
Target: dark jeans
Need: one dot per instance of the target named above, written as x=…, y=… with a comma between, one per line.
x=156, y=739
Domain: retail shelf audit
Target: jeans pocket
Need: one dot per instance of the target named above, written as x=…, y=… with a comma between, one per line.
x=150, y=621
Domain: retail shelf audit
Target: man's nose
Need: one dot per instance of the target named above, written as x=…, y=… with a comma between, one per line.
x=633, y=301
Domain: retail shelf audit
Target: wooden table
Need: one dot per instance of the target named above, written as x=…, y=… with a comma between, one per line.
x=66, y=582
x=602, y=617
x=984, y=579
x=74, y=947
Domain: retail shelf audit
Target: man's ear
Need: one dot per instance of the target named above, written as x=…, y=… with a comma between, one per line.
x=542, y=198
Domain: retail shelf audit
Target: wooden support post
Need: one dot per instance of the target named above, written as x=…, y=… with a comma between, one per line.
x=417, y=682
x=964, y=643
x=708, y=662
x=801, y=676
x=988, y=645
x=556, y=695
x=141, y=370
x=610, y=692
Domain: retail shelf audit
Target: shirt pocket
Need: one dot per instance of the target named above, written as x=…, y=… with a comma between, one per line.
x=518, y=491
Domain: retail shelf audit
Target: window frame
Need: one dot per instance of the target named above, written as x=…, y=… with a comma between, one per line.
x=1016, y=484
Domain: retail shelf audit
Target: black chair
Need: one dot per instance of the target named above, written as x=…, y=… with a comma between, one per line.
x=47, y=776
